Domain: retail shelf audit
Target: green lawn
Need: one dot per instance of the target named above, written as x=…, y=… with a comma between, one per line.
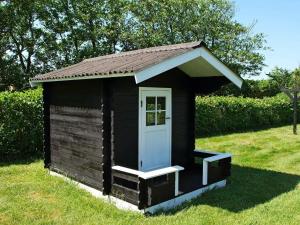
x=264, y=189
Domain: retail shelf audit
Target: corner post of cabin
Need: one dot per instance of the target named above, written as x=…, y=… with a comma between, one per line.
x=106, y=136
x=46, y=120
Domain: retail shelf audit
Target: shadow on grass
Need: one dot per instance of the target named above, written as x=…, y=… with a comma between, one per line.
x=247, y=188
x=18, y=160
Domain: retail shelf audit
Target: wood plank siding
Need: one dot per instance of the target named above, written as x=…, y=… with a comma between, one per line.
x=76, y=145
x=91, y=125
x=73, y=115
x=125, y=120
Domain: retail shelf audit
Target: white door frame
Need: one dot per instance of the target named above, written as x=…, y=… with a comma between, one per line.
x=140, y=152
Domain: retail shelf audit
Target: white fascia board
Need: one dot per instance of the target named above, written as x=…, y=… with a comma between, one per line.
x=186, y=57
x=166, y=65
x=127, y=170
x=37, y=82
x=149, y=174
x=217, y=64
x=217, y=157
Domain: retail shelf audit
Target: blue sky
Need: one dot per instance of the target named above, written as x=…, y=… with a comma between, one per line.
x=279, y=20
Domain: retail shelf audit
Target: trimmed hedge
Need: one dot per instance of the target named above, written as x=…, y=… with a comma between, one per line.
x=220, y=115
x=21, y=123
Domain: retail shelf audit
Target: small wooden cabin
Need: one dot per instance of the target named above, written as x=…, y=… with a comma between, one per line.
x=123, y=125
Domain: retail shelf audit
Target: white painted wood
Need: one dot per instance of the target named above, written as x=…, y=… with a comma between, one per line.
x=176, y=61
x=127, y=170
x=217, y=157
x=35, y=83
x=204, y=172
x=215, y=62
x=154, y=141
x=166, y=65
x=176, y=183
x=149, y=174
x=160, y=172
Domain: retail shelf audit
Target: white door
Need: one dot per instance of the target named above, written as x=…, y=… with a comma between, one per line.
x=154, y=128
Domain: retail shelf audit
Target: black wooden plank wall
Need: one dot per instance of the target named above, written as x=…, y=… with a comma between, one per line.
x=76, y=146
x=46, y=120
x=76, y=130
x=183, y=139
x=125, y=120
x=81, y=93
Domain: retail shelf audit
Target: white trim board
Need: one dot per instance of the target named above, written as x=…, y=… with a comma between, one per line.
x=120, y=204
x=168, y=64
x=149, y=174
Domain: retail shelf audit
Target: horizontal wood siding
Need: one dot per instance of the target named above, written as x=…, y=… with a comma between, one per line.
x=125, y=120
x=82, y=93
x=76, y=143
x=126, y=187
x=46, y=120
x=124, y=114
x=182, y=113
x=160, y=192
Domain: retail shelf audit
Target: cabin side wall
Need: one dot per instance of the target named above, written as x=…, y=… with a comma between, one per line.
x=74, y=137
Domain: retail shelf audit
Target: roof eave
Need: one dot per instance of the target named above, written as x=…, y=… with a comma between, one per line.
x=34, y=83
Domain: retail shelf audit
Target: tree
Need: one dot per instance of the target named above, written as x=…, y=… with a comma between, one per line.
x=289, y=83
x=174, y=21
x=43, y=35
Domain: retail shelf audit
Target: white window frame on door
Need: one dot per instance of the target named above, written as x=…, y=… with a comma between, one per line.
x=141, y=89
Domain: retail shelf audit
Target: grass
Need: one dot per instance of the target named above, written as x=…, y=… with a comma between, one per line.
x=264, y=189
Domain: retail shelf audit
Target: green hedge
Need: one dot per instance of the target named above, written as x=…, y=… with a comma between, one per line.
x=219, y=115
x=21, y=123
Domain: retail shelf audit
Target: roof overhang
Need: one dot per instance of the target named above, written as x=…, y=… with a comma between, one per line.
x=34, y=83
x=199, y=62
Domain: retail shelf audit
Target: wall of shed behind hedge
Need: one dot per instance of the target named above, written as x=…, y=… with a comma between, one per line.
x=220, y=115
x=21, y=123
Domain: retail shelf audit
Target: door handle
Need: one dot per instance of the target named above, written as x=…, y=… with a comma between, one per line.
x=168, y=117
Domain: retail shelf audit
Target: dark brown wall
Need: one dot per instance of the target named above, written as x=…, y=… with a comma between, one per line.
x=115, y=132
x=125, y=119
x=81, y=93
x=76, y=144
x=76, y=140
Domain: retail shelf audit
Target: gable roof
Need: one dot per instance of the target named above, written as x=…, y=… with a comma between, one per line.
x=142, y=63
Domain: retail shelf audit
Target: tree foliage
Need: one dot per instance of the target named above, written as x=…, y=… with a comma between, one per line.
x=41, y=35
x=289, y=83
x=250, y=89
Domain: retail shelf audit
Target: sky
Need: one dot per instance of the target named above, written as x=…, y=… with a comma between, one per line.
x=279, y=20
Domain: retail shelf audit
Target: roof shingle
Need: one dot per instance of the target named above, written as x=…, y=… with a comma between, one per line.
x=119, y=63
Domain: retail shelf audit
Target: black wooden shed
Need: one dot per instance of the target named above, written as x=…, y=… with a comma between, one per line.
x=123, y=124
